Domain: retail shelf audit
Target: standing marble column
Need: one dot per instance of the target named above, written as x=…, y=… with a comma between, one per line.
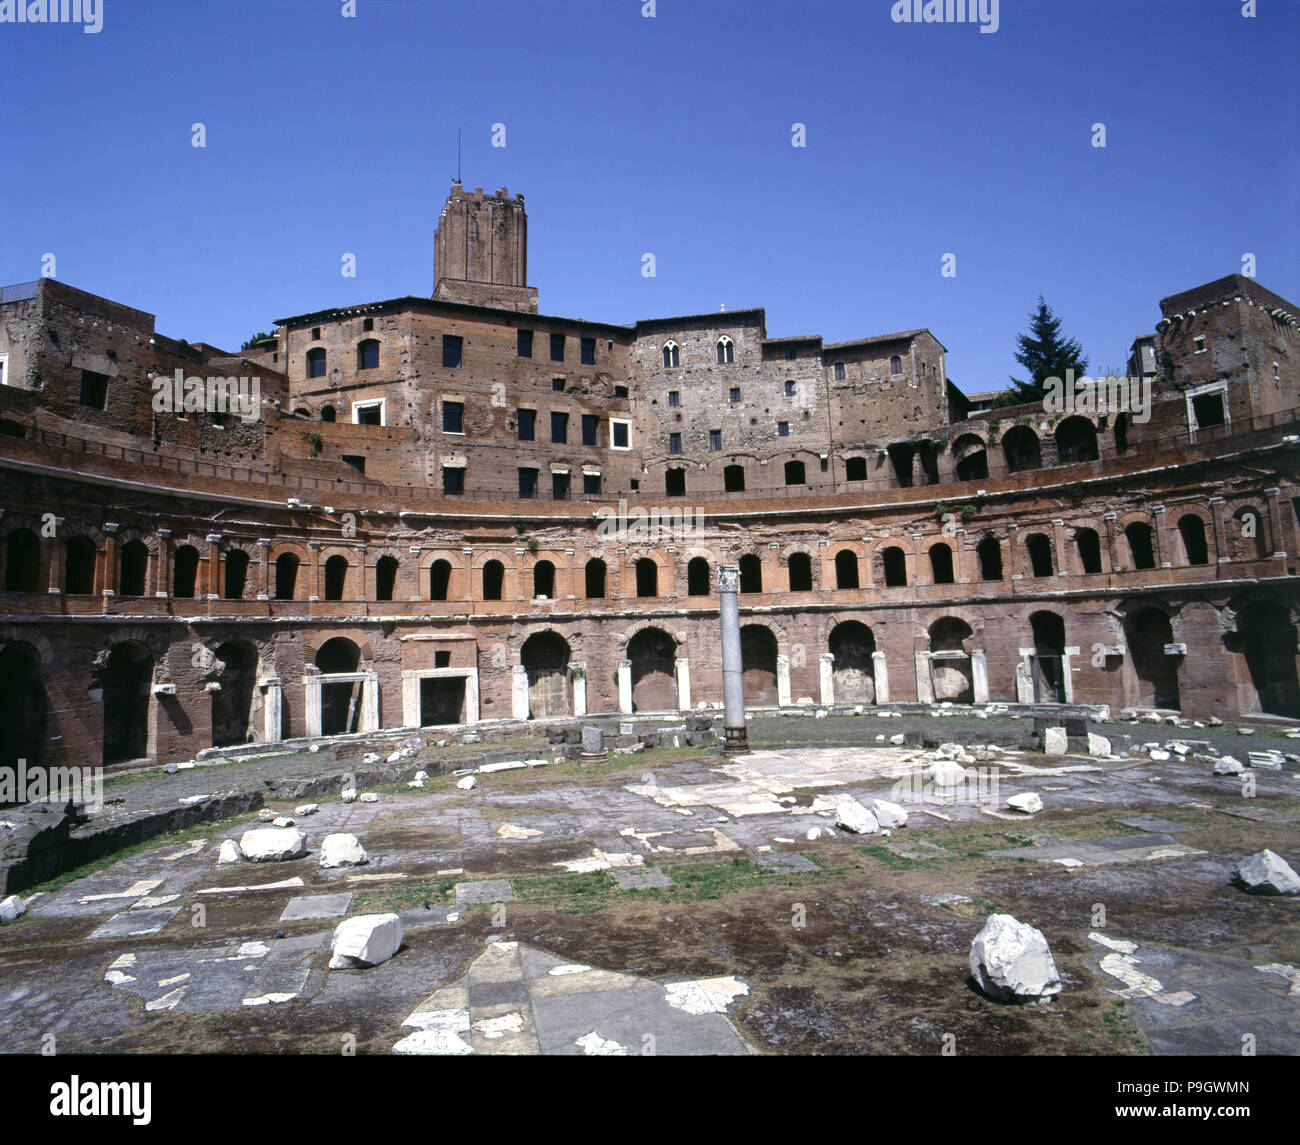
x=733, y=679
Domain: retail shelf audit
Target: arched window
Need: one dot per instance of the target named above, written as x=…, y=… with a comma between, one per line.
x=733, y=479
x=368, y=354
x=697, y=577
x=544, y=579
x=1040, y=554
x=1140, y=547
x=972, y=459
x=439, y=579
x=336, y=575
x=327, y=413
x=990, y=558
x=1192, y=529
x=855, y=469
x=647, y=577
x=185, y=572
x=846, y=569
x=286, y=575
x=1076, y=440
x=385, y=578
x=79, y=567
x=941, y=564
x=22, y=561
x=1089, y=547
x=895, y=365
x=302, y=411
x=135, y=560
x=894, y=564
x=800, y=570
x=316, y=363
x=595, y=579
x=794, y=473
x=236, y=574
x=672, y=355
x=751, y=573
x=726, y=351
x=494, y=573
x=1021, y=450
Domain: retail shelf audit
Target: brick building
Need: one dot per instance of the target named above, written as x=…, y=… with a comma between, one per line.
x=434, y=510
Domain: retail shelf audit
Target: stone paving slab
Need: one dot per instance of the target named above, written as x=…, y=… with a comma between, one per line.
x=641, y=878
x=1118, y=849
x=786, y=861
x=1148, y=823
x=485, y=891
x=317, y=906
x=131, y=923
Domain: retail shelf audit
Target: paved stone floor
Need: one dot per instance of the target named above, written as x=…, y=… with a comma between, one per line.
x=654, y=906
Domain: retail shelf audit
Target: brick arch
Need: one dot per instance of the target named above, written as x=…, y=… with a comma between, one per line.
x=279, y=548
x=13, y=634
x=314, y=643
x=136, y=533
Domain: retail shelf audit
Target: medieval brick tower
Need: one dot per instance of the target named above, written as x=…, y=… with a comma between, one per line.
x=481, y=251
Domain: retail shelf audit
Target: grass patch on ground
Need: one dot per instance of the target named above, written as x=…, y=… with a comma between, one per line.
x=402, y=896
x=566, y=894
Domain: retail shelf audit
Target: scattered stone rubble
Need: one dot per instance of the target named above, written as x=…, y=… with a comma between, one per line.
x=365, y=940
x=1266, y=873
x=1011, y=961
x=273, y=844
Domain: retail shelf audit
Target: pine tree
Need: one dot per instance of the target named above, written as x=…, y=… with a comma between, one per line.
x=1045, y=354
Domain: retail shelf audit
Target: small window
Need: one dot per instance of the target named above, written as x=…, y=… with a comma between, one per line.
x=559, y=428
x=620, y=391
x=589, y=425
x=451, y=351
x=1208, y=409
x=453, y=417
x=528, y=483
x=557, y=347
x=895, y=365
x=368, y=355
x=789, y=389
x=674, y=397
x=453, y=481
x=559, y=486
x=733, y=395
x=715, y=440
x=591, y=483
x=1199, y=341
x=557, y=385
x=672, y=355
x=94, y=389
x=372, y=413
x=328, y=413
x=367, y=324
x=442, y=659
x=726, y=351
x=839, y=371
x=316, y=363
x=524, y=343
x=675, y=483
x=587, y=352
x=733, y=479
x=855, y=469
x=315, y=333
x=674, y=443
x=357, y=463
x=791, y=353
x=782, y=429
x=794, y=473
x=620, y=433
x=527, y=424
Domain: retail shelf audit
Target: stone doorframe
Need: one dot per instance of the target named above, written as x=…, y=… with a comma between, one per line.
x=312, y=685
x=411, y=678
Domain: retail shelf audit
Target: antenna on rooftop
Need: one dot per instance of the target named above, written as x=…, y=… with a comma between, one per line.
x=458, y=155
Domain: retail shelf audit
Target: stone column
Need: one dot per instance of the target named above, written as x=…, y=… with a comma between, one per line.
x=410, y=699
x=1161, y=537
x=924, y=680
x=361, y=580
x=311, y=687
x=623, y=672
x=1059, y=559
x=214, y=566
x=166, y=563
x=979, y=676
x=1025, y=677
x=826, y=678
x=369, y=703
x=1067, y=674
x=57, y=555
x=471, y=697
x=683, y=669
x=1279, y=512
x=519, y=692
x=1112, y=547
x=313, y=547
x=265, y=546
x=578, y=673
x=783, y=681
x=1009, y=573
x=880, y=672
x=110, y=559
x=1217, y=524
x=733, y=679
x=272, y=696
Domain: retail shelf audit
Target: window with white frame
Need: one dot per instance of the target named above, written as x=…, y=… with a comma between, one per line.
x=4, y=369
x=726, y=351
x=369, y=413
x=620, y=433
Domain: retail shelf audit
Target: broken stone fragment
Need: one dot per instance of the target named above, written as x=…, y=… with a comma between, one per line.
x=348, y=795
x=468, y=783
x=281, y=821
x=421, y=776
x=1266, y=874
x=369, y=797
x=1027, y=801
x=11, y=908
x=393, y=757
x=370, y=757
x=306, y=809
x=1158, y=754
x=366, y=940
x=266, y=815
x=273, y=844
x=1011, y=961
x=1227, y=765
x=948, y=773
x=888, y=814
x=1055, y=741
x=852, y=816
x=342, y=850
x=229, y=853
x=1098, y=745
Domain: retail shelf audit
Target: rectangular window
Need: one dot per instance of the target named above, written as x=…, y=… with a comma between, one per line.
x=559, y=486
x=620, y=391
x=442, y=659
x=524, y=343
x=94, y=389
x=453, y=481
x=589, y=423
x=453, y=417
x=591, y=482
x=559, y=428
x=839, y=371
x=315, y=333
x=357, y=463
x=734, y=395
x=620, y=434
x=674, y=397
x=528, y=483
x=715, y=440
x=367, y=324
x=789, y=386
x=368, y=355
x=451, y=351
x=527, y=424
x=588, y=352
x=368, y=413
x=557, y=385
x=674, y=443
x=791, y=353
x=782, y=429
x=557, y=347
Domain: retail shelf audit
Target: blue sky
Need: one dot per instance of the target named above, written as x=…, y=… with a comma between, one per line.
x=328, y=135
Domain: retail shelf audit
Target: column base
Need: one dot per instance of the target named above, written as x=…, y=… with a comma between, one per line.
x=735, y=739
